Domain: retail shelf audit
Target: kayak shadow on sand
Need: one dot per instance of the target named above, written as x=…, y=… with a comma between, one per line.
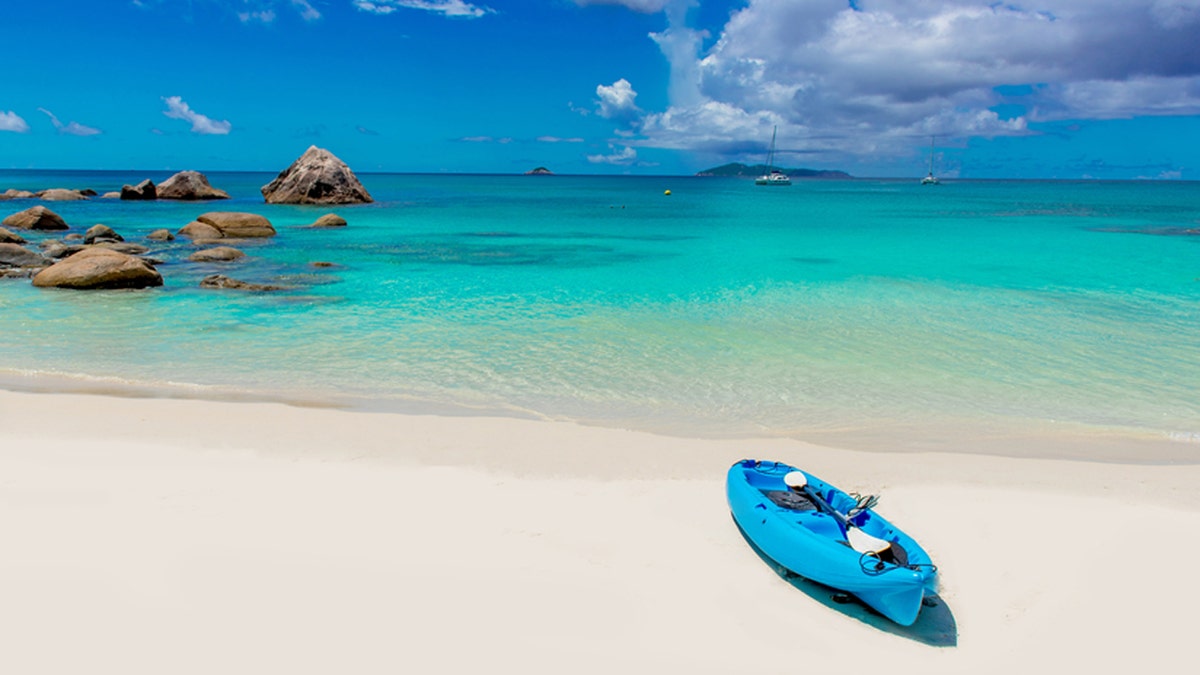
x=935, y=625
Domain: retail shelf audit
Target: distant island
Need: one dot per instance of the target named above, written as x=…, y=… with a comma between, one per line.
x=540, y=171
x=739, y=169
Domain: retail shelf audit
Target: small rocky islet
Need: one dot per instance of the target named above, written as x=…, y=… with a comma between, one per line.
x=102, y=259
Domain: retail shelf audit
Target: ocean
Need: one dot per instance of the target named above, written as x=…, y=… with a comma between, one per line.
x=880, y=314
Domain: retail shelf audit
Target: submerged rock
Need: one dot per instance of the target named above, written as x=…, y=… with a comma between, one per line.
x=161, y=235
x=224, y=282
x=189, y=185
x=143, y=191
x=36, y=218
x=217, y=254
x=123, y=247
x=317, y=177
x=97, y=268
x=329, y=220
x=15, y=255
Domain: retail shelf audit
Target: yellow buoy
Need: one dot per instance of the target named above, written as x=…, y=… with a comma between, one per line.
x=667, y=193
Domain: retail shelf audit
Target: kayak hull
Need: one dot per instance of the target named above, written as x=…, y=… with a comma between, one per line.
x=812, y=543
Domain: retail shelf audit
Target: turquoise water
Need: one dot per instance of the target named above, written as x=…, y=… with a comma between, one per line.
x=831, y=309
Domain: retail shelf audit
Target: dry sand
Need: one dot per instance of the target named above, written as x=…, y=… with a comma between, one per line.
x=171, y=536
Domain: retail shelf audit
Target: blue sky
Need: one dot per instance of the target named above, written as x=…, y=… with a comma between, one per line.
x=1042, y=88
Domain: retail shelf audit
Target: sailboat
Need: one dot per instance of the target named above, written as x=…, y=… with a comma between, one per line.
x=773, y=176
x=930, y=179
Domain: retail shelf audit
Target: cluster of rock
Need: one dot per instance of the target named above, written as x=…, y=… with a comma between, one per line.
x=51, y=195
x=102, y=259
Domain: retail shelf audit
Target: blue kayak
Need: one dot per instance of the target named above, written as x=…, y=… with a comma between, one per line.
x=819, y=532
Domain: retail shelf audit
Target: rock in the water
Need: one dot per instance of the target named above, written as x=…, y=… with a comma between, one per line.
x=143, y=191
x=88, y=192
x=233, y=225
x=74, y=236
x=222, y=281
x=189, y=185
x=217, y=254
x=317, y=177
x=329, y=220
x=36, y=218
x=99, y=268
x=60, y=195
x=52, y=248
x=8, y=237
x=111, y=195
x=99, y=233
x=540, y=171
x=199, y=231
x=14, y=255
x=16, y=194
x=161, y=235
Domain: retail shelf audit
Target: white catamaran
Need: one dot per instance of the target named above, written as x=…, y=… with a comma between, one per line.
x=773, y=176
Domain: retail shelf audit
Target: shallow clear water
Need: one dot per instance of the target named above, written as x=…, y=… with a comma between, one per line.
x=869, y=308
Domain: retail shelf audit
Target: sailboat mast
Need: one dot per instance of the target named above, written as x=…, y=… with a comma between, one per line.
x=771, y=152
x=931, y=155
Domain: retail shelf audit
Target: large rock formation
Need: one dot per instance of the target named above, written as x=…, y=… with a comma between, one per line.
x=36, y=218
x=14, y=255
x=99, y=268
x=143, y=191
x=13, y=193
x=228, y=225
x=189, y=185
x=317, y=177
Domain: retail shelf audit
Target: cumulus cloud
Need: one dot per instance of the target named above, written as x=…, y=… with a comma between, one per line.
x=178, y=109
x=71, y=128
x=11, y=121
x=451, y=8
x=873, y=76
x=617, y=101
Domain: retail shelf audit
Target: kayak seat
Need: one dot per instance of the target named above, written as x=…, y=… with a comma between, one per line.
x=793, y=501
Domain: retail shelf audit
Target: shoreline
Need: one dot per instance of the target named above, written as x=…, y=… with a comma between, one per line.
x=999, y=437
x=182, y=535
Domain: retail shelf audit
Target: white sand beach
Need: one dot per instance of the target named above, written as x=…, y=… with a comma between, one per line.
x=183, y=536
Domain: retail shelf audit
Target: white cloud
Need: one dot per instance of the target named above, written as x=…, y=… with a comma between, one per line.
x=623, y=157
x=265, y=16
x=451, y=8
x=556, y=139
x=71, y=128
x=11, y=121
x=177, y=109
x=645, y=6
x=306, y=10
x=617, y=101
x=874, y=76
